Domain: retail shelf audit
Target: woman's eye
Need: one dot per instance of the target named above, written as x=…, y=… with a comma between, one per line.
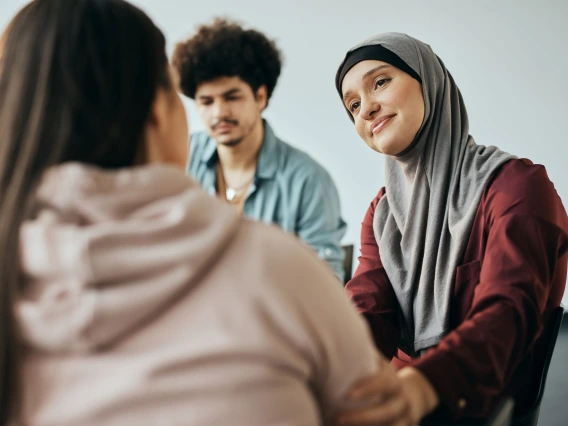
x=381, y=82
x=353, y=107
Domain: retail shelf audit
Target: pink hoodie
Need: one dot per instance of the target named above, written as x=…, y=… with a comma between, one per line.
x=147, y=302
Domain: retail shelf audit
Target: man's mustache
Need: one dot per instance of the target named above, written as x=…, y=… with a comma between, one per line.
x=224, y=121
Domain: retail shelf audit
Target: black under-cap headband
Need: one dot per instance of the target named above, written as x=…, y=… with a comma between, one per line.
x=374, y=52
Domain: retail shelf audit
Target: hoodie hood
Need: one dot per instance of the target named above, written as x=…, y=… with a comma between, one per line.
x=109, y=250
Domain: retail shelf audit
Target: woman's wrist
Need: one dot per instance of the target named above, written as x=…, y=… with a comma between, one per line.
x=424, y=398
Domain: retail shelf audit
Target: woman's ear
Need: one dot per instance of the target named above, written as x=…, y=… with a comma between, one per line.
x=155, y=127
x=167, y=132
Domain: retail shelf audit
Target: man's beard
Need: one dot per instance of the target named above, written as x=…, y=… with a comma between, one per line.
x=233, y=142
x=236, y=141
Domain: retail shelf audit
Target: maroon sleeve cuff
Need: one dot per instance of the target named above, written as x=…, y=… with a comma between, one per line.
x=449, y=382
x=385, y=334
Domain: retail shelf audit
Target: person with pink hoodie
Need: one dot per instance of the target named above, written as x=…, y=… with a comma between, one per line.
x=128, y=296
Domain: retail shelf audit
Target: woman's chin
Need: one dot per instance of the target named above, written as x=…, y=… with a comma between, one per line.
x=389, y=147
x=382, y=148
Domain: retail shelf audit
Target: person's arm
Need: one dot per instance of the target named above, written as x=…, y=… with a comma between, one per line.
x=319, y=223
x=400, y=398
x=526, y=250
x=316, y=320
x=370, y=289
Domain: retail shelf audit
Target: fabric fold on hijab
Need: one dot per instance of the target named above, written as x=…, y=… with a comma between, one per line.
x=433, y=189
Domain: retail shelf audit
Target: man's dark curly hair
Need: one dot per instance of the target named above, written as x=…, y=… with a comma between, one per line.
x=225, y=49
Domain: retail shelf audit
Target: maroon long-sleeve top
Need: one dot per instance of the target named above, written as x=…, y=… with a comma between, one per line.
x=512, y=275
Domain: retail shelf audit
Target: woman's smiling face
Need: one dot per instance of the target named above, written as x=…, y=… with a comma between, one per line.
x=386, y=103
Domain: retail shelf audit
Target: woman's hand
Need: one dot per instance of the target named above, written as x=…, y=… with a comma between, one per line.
x=400, y=398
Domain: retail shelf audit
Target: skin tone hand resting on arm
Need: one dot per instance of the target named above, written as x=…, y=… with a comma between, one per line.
x=395, y=399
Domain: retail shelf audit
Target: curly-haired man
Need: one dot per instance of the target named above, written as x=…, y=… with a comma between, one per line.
x=231, y=73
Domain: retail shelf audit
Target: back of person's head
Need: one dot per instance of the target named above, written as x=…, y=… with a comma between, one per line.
x=78, y=79
x=225, y=49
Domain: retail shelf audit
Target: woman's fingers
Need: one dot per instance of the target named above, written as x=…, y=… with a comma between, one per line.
x=383, y=384
x=391, y=412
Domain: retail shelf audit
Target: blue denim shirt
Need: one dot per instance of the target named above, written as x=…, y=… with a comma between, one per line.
x=290, y=189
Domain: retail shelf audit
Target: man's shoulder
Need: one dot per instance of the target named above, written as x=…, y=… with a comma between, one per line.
x=201, y=145
x=199, y=140
x=299, y=163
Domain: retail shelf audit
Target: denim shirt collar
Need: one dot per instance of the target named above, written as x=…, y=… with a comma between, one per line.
x=268, y=157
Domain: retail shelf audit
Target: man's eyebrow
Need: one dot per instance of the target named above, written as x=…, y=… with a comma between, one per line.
x=232, y=91
x=229, y=92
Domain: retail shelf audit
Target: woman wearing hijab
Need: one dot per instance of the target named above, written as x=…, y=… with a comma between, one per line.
x=463, y=252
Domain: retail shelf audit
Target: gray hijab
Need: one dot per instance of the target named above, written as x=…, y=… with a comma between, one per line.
x=423, y=222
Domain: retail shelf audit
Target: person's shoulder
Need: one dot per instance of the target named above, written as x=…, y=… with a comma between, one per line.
x=275, y=246
x=522, y=187
x=299, y=298
x=200, y=147
x=521, y=178
x=199, y=141
x=299, y=163
x=520, y=171
x=275, y=253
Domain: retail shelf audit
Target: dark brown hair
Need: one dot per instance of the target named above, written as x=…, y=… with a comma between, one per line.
x=225, y=49
x=77, y=82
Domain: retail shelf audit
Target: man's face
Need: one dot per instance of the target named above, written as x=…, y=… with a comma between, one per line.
x=229, y=108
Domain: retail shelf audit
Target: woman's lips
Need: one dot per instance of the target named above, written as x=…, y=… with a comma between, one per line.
x=380, y=123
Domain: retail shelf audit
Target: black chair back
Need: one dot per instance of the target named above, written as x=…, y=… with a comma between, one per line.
x=546, y=343
x=503, y=416
x=544, y=350
x=347, y=263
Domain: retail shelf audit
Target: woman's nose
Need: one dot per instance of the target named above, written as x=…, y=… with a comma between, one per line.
x=369, y=108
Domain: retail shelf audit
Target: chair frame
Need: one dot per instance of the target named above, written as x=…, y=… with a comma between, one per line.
x=530, y=416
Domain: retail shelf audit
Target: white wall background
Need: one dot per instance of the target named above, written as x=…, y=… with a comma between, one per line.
x=509, y=58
